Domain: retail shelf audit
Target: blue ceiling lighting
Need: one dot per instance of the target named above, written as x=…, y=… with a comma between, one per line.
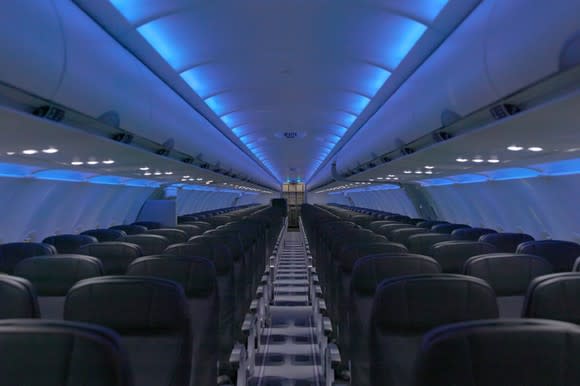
x=560, y=168
x=511, y=174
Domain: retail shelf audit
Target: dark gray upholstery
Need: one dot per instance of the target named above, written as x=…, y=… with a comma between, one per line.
x=53, y=276
x=428, y=224
x=224, y=266
x=17, y=298
x=422, y=243
x=105, y=234
x=148, y=224
x=190, y=229
x=386, y=229
x=151, y=315
x=203, y=225
x=448, y=228
x=562, y=254
x=69, y=243
x=554, y=297
x=218, y=220
x=471, y=234
x=501, y=352
x=402, y=235
x=367, y=273
x=130, y=229
x=12, y=253
x=115, y=255
x=406, y=307
x=58, y=353
x=174, y=236
x=375, y=225
x=506, y=242
x=509, y=275
x=149, y=244
x=452, y=255
x=197, y=276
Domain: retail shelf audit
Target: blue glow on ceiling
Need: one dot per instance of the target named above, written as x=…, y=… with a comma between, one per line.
x=433, y=8
x=560, y=168
x=159, y=38
x=15, y=170
x=61, y=175
x=511, y=174
x=195, y=81
x=411, y=32
x=468, y=178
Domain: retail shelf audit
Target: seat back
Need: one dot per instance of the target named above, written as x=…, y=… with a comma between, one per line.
x=421, y=243
x=148, y=224
x=105, y=234
x=55, y=353
x=174, y=236
x=447, y=228
x=197, y=276
x=17, y=298
x=203, y=225
x=367, y=274
x=150, y=314
x=430, y=223
x=452, y=255
x=406, y=307
x=130, y=229
x=506, y=242
x=562, y=254
x=554, y=296
x=69, y=243
x=53, y=276
x=114, y=255
x=501, y=352
x=509, y=275
x=470, y=234
x=12, y=253
x=149, y=244
x=402, y=235
x=189, y=229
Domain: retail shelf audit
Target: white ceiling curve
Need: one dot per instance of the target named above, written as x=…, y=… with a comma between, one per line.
x=285, y=80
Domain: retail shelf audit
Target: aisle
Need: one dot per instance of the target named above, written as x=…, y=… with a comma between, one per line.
x=288, y=354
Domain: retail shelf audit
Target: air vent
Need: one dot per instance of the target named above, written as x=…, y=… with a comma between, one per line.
x=290, y=134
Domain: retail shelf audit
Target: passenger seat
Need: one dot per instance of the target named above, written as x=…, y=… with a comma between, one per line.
x=452, y=255
x=115, y=255
x=562, y=254
x=12, y=253
x=506, y=242
x=69, y=243
x=554, y=296
x=17, y=299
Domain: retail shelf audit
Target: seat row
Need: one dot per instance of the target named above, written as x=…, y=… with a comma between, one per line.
x=353, y=262
x=178, y=314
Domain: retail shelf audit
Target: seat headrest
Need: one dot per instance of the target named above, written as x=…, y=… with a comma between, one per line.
x=129, y=304
x=17, y=298
x=452, y=255
x=12, y=253
x=148, y=224
x=415, y=304
x=430, y=223
x=173, y=235
x=560, y=253
x=500, y=352
x=115, y=255
x=349, y=254
x=509, y=274
x=189, y=229
x=130, y=229
x=506, y=242
x=368, y=272
x=219, y=255
x=472, y=234
x=55, y=275
x=98, y=354
x=401, y=235
x=69, y=243
x=422, y=242
x=105, y=234
x=555, y=297
x=145, y=238
x=448, y=228
x=197, y=275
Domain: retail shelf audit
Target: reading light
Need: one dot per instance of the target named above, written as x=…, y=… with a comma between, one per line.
x=407, y=172
x=147, y=173
x=157, y=173
x=144, y=168
x=514, y=148
x=477, y=160
x=50, y=150
x=10, y=152
x=168, y=173
x=77, y=163
x=493, y=161
x=92, y=162
x=108, y=162
x=461, y=159
x=535, y=148
x=429, y=167
x=29, y=151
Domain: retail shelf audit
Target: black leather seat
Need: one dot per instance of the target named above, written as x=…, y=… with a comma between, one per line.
x=149, y=244
x=69, y=243
x=367, y=274
x=506, y=242
x=452, y=255
x=152, y=317
x=554, y=297
x=386, y=229
x=148, y=224
x=130, y=229
x=430, y=223
x=17, y=298
x=375, y=225
x=174, y=236
x=114, y=255
x=12, y=253
x=470, y=234
x=57, y=353
x=448, y=228
x=402, y=235
x=197, y=276
x=562, y=254
x=105, y=234
x=501, y=352
x=407, y=307
x=190, y=229
x=53, y=276
x=203, y=225
x=509, y=275
x=421, y=243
